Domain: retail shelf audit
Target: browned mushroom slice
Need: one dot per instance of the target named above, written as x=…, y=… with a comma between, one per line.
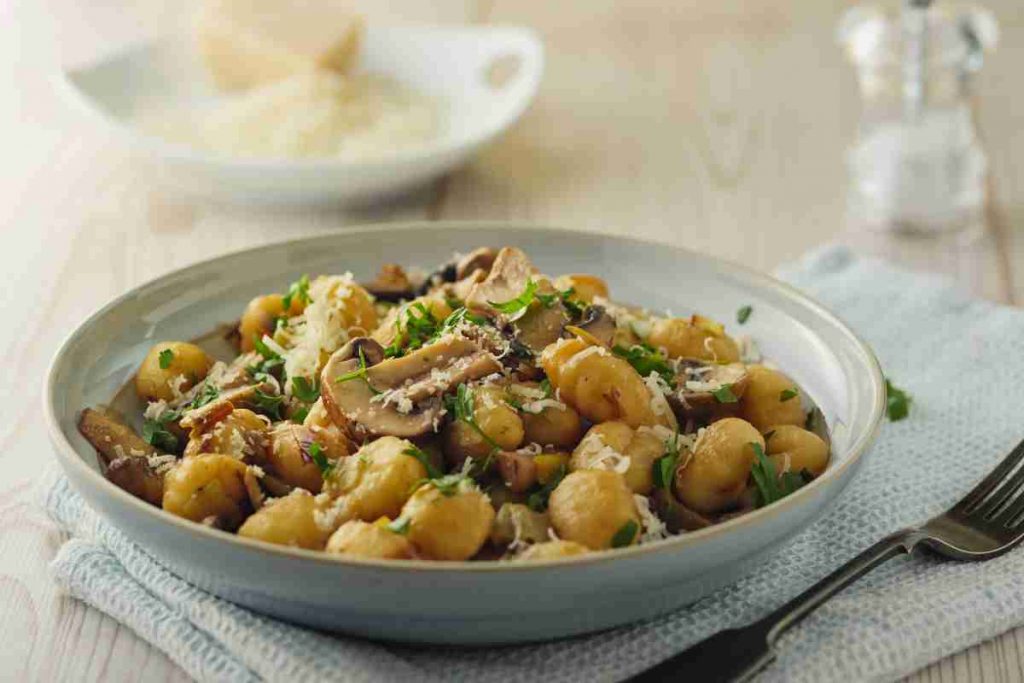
x=541, y=325
x=511, y=272
x=597, y=324
x=517, y=470
x=126, y=459
x=399, y=396
x=677, y=517
x=708, y=391
x=216, y=410
x=481, y=259
x=391, y=284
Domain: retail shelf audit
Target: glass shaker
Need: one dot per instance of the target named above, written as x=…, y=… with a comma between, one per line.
x=917, y=164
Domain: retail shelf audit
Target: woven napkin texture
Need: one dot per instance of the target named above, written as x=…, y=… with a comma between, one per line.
x=963, y=361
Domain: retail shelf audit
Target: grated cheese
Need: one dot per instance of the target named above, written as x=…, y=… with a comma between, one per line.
x=161, y=463
x=155, y=409
x=653, y=529
x=321, y=329
x=175, y=383
x=657, y=387
x=535, y=407
x=597, y=455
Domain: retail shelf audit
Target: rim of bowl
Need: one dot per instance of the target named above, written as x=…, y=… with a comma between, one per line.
x=70, y=457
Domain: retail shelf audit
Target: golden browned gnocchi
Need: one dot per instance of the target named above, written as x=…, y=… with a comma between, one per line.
x=598, y=384
x=694, y=338
x=374, y=541
x=617, y=447
x=212, y=488
x=448, y=518
x=290, y=520
x=595, y=508
x=170, y=369
x=771, y=399
x=713, y=476
x=794, y=449
x=482, y=411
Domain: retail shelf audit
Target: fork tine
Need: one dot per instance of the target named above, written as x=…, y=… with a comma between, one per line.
x=1012, y=511
x=978, y=494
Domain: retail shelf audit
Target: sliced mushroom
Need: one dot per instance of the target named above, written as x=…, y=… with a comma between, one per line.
x=517, y=470
x=515, y=521
x=481, y=259
x=708, y=391
x=124, y=455
x=391, y=284
x=598, y=324
x=677, y=517
x=509, y=275
x=399, y=396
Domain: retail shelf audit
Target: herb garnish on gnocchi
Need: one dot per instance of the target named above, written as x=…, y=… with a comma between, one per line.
x=485, y=412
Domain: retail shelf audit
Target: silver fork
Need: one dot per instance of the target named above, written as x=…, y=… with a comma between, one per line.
x=983, y=524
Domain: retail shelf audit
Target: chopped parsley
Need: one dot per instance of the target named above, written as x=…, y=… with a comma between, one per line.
x=270, y=404
x=538, y=500
x=897, y=402
x=156, y=434
x=358, y=373
x=457, y=317
x=545, y=386
x=646, y=360
x=460, y=407
x=297, y=291
x=264, y=350
x=316, y=454
x=664, y=468
x=299, y=414
x=206, y=394
x=400, y=526
x=413, y=452
x=304, y=390
x=447, y=485
x=419, y=328
x=743, y=314
x=574, y=308
x=166, y=356
x=626, y=534
x=724, y=394
x=770, y=487
x=521, y=302
x=787, y=394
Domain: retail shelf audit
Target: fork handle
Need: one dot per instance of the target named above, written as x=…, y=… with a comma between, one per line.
x=737, y=654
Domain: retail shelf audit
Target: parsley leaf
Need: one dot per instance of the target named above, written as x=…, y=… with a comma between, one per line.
x=298, y=290
x=743, y=314
x=447, y=485
x=358, y=373
x=545, y=386
x=646, y=360
x=538, y=500
x=299, y=414
x=269, y=404
x=723, y=394
x=400, y=526
x=304, y=390
x=769, y=486
x=316, y=454
x=207, y=394
x=787, y=394
x=574, y=308
x=166, y=356
x=664, y=468
x=417, y=330
x=520, y=302
x=413, y=452
x=897, y=402
x=457, y=317
x=156, y=434
x=625, y=535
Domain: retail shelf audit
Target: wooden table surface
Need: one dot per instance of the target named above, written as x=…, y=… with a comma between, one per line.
x=716, y=125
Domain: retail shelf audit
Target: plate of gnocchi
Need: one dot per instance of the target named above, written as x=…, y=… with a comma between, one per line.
x=399, y=433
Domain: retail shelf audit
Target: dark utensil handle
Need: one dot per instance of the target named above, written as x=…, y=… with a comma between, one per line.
x=739, y=653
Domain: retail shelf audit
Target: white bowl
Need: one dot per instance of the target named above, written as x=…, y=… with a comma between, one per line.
x=460, y=602
x=451, y=64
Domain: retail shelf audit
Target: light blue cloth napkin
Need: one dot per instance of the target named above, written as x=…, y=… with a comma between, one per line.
x=962, y=360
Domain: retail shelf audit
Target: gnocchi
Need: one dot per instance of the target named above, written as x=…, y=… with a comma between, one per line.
x=486, y=412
